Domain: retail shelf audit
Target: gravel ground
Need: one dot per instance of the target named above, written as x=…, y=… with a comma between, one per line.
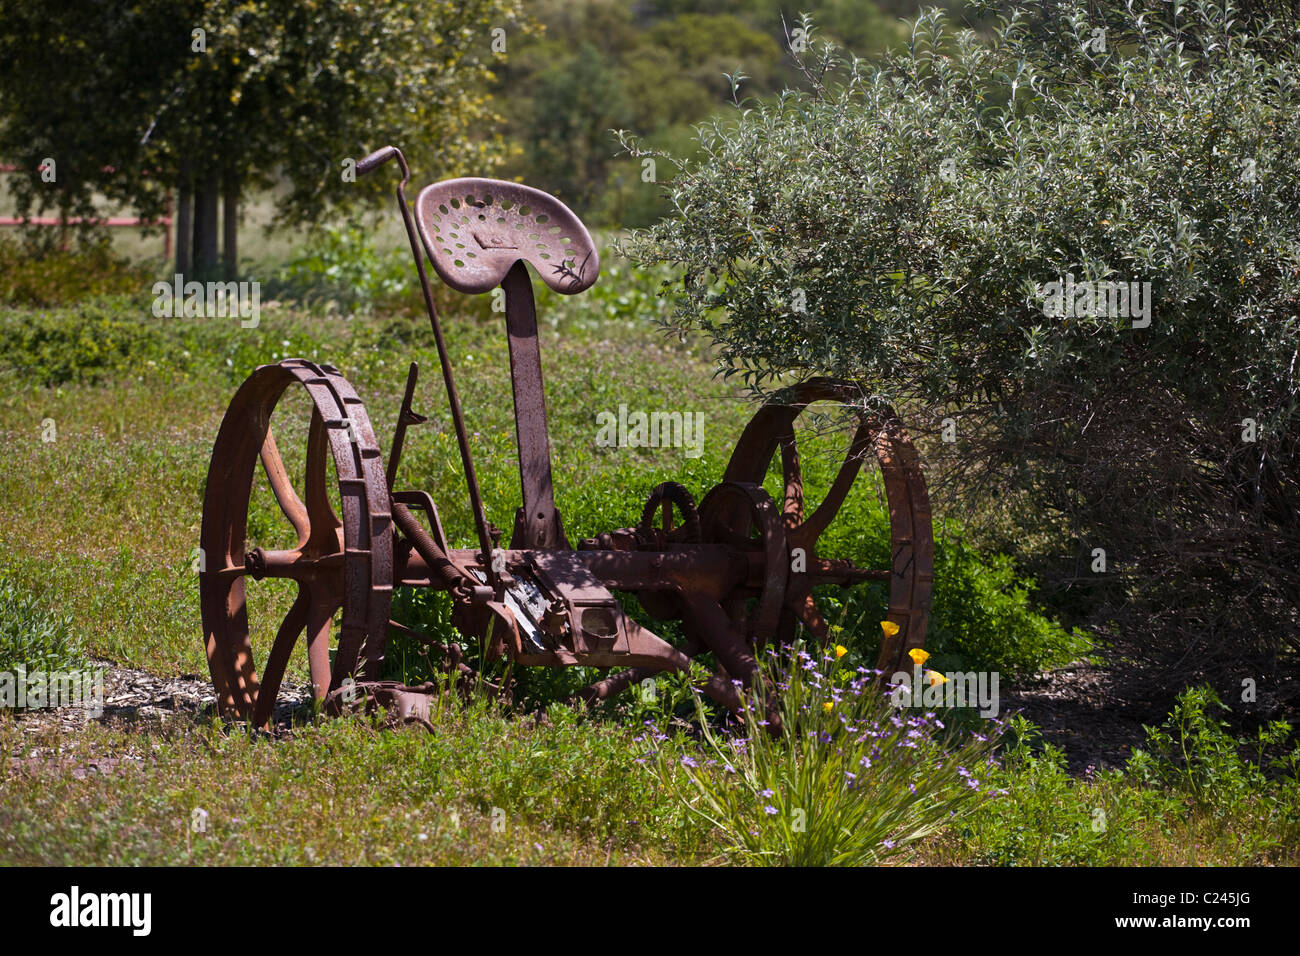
x=132, y=695
x=1079, y=709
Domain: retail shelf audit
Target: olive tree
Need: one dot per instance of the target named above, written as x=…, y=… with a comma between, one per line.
x=1068, y=251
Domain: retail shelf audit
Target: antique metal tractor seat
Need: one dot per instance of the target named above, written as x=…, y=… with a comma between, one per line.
x=737, y=570
x=475, y=230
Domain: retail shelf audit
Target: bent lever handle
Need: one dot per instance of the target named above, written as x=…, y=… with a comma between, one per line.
x=380, y=156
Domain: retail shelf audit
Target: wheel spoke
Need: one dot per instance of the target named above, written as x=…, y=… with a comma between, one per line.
x=786, y=627
x=278, y=659
x=807, y=533
x=282, y=488
x=320, y=616
x=325, y=524
x=811, y=616
x=792, y=471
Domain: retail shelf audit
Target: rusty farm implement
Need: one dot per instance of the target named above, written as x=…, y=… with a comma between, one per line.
x=737, y=569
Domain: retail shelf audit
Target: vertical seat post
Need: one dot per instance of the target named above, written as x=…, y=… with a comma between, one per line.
x=537, y=523
x=483, y=233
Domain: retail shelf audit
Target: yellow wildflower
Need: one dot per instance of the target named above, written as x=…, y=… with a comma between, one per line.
x=889, y=627
x=918, y=656
x=840, y=651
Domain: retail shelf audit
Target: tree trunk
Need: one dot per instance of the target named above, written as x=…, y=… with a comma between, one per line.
x=184, y=222
x=230, y=225
x=206, y=195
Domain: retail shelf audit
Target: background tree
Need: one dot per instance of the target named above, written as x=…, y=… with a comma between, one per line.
x=655, y=69
x=282, y=90
x=576, y=100
x=213, y=97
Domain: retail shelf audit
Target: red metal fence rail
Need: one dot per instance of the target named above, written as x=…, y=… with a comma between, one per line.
x=109, y=221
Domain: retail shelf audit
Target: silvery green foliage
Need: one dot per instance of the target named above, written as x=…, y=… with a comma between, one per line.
x=32, y=636
x=921, y=202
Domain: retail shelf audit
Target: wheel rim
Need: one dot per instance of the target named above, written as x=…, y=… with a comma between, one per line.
x=911, y=533
x=340, y=562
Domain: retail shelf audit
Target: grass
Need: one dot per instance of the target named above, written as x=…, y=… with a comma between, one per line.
x=106, y=466
x=32, y=635
x=106, y=456
x=485, y=789
x=490, y=788
x=845, y=781
x=1124, y=817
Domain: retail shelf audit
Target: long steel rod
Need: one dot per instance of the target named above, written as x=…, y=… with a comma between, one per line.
x=453, y=397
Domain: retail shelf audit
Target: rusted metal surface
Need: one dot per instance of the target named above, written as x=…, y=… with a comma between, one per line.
x=911, y=537
x=537, y=524
x=400, y=703
x=339, y=563
x=475, y=230
x=737, y=570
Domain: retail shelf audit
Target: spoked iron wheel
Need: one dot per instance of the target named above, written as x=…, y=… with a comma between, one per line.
x=339, y=562
x=670, y=516
x=911, y=543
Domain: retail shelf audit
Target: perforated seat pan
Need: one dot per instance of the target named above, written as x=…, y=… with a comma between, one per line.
x=474, y=230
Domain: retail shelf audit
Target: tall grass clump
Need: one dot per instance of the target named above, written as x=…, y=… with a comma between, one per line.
x=818, y=769
x=33, y=636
